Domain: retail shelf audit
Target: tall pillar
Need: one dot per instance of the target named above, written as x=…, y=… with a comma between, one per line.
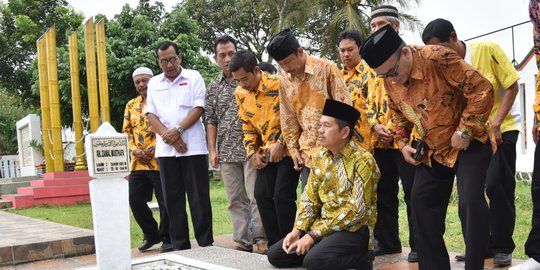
x=102, y=70
x=54, y=98
x=45, y=105
x=91, y=78
x=76, y=101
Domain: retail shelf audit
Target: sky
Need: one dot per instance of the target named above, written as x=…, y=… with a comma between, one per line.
x=470, y=18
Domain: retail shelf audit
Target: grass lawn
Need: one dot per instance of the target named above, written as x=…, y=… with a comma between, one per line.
x=81, y=216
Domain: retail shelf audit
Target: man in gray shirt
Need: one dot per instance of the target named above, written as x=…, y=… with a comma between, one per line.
x=224, y=127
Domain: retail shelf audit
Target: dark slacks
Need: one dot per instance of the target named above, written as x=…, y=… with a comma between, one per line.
x=275, y=193
x=393, y=168
x=430, y=195
x=181, y=176
x=339, y=250
x=532, y=246
x=500, y=189
x=142, y=185
x=304, y=175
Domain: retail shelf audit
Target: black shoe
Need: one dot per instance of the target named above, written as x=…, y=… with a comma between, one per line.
x=166, y=247
x=146, y=244
x=379, y=251
x=502, y=259
x=413, y=257
x=461, y=257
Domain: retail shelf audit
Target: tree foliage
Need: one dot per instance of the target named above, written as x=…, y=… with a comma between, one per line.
x=131, y=36
x=316, y=23
x=21, y=23
x=13, y=110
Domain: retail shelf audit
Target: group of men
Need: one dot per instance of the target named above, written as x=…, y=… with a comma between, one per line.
x=422, y=115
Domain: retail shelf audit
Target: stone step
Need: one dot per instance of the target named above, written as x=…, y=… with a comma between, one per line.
x=19, y=200
x=8, y=188
x=18, y=179
x=5, y=204
x=55, y=191
x=60, y=182
x=56, y=175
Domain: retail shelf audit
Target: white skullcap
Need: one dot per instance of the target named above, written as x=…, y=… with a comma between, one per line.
x=142, y=70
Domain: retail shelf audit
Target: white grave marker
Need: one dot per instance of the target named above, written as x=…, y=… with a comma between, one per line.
x=28, y=129
x=108, y=163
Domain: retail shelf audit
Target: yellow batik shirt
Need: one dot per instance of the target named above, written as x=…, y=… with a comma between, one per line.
x=341, y=192
x=302, y=101
x=357, y=81
x=140, y=134
x=259, y=112
x=378, y=111
x=536, y=105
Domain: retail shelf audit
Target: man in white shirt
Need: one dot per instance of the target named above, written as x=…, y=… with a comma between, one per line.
x=174, y=108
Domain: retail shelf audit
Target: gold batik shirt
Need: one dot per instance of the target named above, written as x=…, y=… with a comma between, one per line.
x=140, y=134
x=357, y=81
x=259, y=112
x=341, y=192
x=378, y=111
x=443, y=94
x=302, y=101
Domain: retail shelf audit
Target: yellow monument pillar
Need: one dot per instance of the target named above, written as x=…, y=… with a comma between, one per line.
x=102, y=70
x=45, y=105
x=91, y=79
x=54, y=98
x=76, y=101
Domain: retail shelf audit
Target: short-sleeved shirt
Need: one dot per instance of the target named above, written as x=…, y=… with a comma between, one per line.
x=378, y=111
x=221, y=111
x=140, y=134
x=171, y=102
x=302, y=102
x=341, y=192
x=488, y=58
x=442, y=95
x=259, y=112
x=357, y=81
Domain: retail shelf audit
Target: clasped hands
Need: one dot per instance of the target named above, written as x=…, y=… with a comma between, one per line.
x=173, y=138
x=294, y=243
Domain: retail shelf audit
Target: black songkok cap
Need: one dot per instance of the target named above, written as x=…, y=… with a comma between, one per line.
x=439, y=28
x=380, y=46
x=341, y=111
x=384, y=10
x=282, y=45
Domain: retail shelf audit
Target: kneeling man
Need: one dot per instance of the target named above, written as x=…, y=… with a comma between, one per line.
x=337, y=211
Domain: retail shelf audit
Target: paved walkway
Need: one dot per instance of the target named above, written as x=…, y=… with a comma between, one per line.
x=28, y=239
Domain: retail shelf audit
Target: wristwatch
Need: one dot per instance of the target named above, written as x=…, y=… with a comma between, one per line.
x=463, y=135
x=180, y=129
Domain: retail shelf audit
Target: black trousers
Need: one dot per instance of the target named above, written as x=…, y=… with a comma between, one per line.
x=393, y=167
x=181, y=176
x=532, y=246
x=500, y=189
x=339, y=250
x=275, y=192
x=304, y=175
x=430, y=195
x=142, y=185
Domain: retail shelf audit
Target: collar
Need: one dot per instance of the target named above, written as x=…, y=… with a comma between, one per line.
x=262, y=82
x=221, y=78
x=183, y=74
x=355, y=70
x=347, y=151
x=309, y=67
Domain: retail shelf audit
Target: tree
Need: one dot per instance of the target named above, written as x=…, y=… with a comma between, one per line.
x=12, y=110
x=132, y=37
x=21, y=23
x=316, y=23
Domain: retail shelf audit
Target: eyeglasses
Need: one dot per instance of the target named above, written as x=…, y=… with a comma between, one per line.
x=171, y=60
x=393, y=72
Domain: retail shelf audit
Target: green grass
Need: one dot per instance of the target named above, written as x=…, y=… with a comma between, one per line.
x=81, y=216
x=453, y=236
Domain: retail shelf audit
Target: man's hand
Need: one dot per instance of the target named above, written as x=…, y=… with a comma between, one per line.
x=289, y=242
x=408, y=152
x=304, y=244
x=276, y=152
x=257, y=161
x=535, y=132
x=297, y=160
x=214, y=158
x=458, y=142
x=383, y=134
x=496, y=131
x=141, y=156
x=171, y=136
x=179, y=145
